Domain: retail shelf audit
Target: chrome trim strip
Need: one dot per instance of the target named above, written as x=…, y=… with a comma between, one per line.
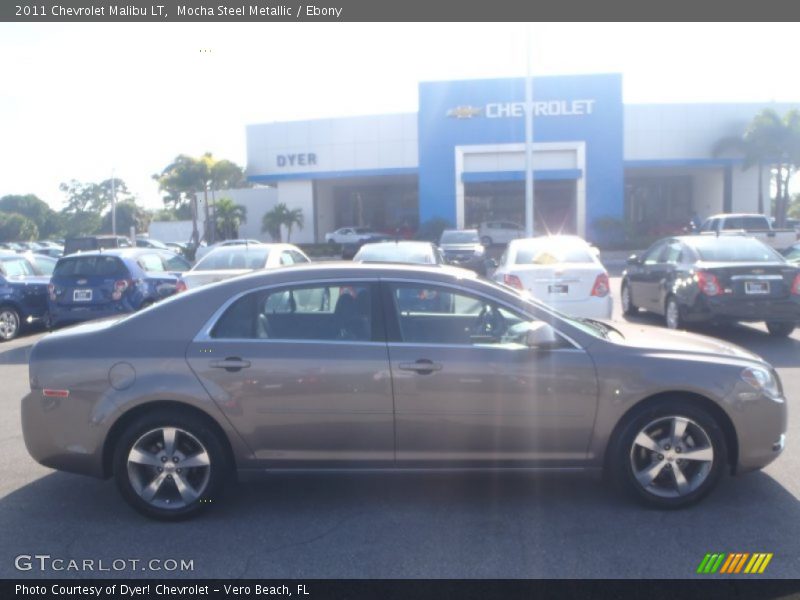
x=757, y=277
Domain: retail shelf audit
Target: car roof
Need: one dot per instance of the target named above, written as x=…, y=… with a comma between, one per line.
x=470, y=230
x=119, y=252
x=553, y=238
x=339, y=269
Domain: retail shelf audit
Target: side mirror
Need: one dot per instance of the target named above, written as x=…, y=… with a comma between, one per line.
x=541, y=335
x=633, y=259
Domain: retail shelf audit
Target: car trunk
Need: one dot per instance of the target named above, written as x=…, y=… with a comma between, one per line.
x=753, y=281
x=565, y=282
x=90, y=283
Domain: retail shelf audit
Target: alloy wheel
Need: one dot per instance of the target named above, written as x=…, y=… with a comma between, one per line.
x=673, y=316
x=671, y=457
x=9, y=324
x=169, y=468
x=626, y=299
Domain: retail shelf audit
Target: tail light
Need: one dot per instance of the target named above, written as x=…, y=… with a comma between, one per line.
x=51, y=289
x=601, y=286
x=796, y=285
x=180, y=286
x=119, y=288
x=512, y=281
x=709, y=284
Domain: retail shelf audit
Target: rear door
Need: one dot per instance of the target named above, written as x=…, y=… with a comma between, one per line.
x=302, y=372
x=644, y=279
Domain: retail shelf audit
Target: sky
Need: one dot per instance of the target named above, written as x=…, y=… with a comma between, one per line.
x=83, y=101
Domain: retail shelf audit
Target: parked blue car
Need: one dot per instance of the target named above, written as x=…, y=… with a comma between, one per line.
x=23, y=295
x=107, y=283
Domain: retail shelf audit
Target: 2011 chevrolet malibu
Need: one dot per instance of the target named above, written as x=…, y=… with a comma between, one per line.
x=390, y=367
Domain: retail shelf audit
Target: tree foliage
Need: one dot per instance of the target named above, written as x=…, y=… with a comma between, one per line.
x=94, y=197
x=129, y=214
x=229, y=217
x=281, y=216
x=34, y=209
x=17, y=228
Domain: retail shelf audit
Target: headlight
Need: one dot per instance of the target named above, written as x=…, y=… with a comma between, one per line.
x=763, y=380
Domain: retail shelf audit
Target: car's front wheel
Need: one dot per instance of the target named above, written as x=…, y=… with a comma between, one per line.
x=780, y=329
x=669, y=454
x=170, y=464
x=9, y=323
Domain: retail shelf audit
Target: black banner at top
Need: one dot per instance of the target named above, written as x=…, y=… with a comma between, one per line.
x=188, y=11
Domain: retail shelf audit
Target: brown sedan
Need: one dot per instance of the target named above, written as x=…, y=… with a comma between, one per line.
x=390, y=367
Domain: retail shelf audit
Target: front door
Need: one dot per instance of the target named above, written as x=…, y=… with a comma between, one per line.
x=302, y=373
x=465, y=396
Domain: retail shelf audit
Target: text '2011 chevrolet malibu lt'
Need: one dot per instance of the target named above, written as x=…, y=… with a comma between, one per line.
x=390, y=367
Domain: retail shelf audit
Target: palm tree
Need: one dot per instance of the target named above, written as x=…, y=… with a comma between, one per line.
x=769, y=141
x=281, y=216
x=229, y=216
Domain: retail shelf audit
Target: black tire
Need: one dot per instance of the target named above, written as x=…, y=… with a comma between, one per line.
x=673, y=320
x=486, y=241
x=623, y=453
x=10, y=323
x=198, y=430
x=780, y=328
x=629, y=309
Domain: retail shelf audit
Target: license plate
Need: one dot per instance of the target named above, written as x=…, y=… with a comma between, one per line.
x=559, y=288
x=82, y=296
x=756, y=287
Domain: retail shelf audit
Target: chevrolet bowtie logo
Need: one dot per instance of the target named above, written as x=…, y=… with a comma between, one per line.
x=464, y=112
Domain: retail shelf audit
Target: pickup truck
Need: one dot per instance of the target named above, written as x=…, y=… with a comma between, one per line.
x=755, y=225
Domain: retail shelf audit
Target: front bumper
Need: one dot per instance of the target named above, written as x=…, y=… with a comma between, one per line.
x=760, y=424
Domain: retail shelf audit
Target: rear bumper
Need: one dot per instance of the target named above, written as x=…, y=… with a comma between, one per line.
x=741, y=309
x=65, y=315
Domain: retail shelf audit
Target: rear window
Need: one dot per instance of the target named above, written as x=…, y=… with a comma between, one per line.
x=733, y=249
x=548, y=254
x=100, y=266
x=234, y=257
x=459, y=237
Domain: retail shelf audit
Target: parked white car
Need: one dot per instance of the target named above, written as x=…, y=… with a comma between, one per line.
x=230, y=261
x=563, y=271
x=500, y=232
x=350, y=235
x=203, y=250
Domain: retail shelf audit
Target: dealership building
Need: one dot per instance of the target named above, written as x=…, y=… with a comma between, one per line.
x=598, y=163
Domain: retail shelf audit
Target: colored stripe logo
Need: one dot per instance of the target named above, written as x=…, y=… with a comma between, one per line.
x=734, y=563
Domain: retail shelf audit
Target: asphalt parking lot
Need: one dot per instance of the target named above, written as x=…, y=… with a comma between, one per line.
x=404, y=525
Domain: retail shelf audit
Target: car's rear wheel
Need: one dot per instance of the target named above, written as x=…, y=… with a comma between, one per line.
x=672, y=314
x=486, y=241
x=628, y=307
x=170, y=465
x=9, y=323
x=669, y=455
x=780, y=329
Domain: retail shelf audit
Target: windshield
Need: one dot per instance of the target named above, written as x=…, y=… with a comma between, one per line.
x=420, y=254
x=234, y=257
x=733, y=249
x=17, y=267
x=460, y=237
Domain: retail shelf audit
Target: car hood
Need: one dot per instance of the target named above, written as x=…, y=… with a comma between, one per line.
x=663, y=340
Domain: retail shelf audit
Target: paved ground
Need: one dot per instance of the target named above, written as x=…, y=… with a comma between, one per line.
x=405, y=525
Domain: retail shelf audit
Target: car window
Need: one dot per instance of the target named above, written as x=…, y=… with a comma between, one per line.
x=414, y=253
x=709, y=225
x=45, y=265
x=672, y=253
x=734, y=223
x=287, y=258
x=17, y=267
x=176, y=264
x=234, y=257
x=545, y=253
x=298, y=257
x=440, y=315
x=151, y=262
x=330, y=312
x=101, y=266
x=793, y=253
x=459, y=237
x=754, y=223
x=733, y=249
x=652, y=255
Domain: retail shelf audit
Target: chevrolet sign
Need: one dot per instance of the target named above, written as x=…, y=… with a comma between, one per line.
x=541, y=108
x=464, y=112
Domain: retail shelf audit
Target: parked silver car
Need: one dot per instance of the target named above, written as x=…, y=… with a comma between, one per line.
x=390, y=367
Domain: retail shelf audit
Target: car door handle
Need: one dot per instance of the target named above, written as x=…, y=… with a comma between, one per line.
x=423, y=366
x=230, y=364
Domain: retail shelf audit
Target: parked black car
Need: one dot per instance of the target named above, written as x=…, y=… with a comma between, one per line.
x=23, y=295
x=695, y=279
x=463, y=248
